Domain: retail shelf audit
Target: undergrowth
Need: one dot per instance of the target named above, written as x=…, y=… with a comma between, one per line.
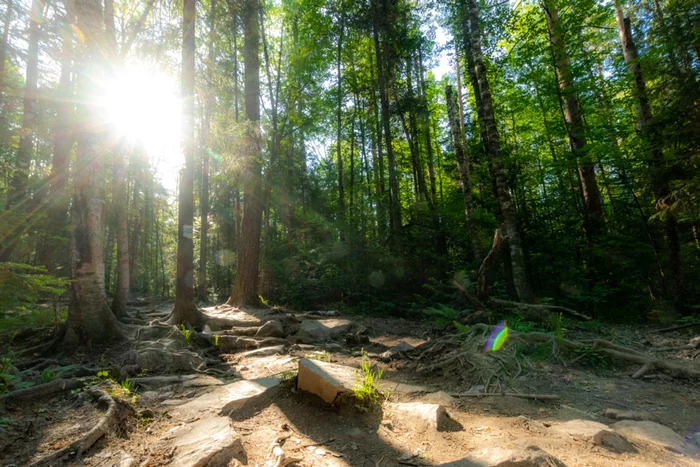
x=366, y=388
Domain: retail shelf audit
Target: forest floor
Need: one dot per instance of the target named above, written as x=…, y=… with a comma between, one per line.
x=580, y=428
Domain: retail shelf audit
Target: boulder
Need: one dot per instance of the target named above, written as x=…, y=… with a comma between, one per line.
x=420, y=416
x=326, y=380
x=272, y=328
x=613, y=442
x=531, y=456
x=395, y=351
x=225, y=399
x=322, y=330
x=211, y=442
x=650, y=432
x=584, y=430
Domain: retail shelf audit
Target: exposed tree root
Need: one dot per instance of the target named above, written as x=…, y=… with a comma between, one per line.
x=676, y=328
x=539, y=397
x=42, y=390
x=547, y=308
x=693, y=344
x=116, y=412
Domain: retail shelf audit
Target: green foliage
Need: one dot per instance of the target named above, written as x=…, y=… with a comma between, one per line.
x=443, y=315
x=366, y=388
x=48, y=375
x=216, y=340
x=555, y=323
x=322, y=356
x=103, y=374
x=22, y=285
x=186, y=333
x=461, y=327
x=592, y=359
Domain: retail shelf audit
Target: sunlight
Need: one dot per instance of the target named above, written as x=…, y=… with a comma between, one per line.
x=143, y=105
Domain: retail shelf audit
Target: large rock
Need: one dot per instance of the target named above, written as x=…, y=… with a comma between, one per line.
x=211, y=442
x=225, y=399
x=272, y=328
x=326, y=380
x=532, y=456
x=584, y=430
x=156, y=358
x=311, y=330
x=419, y=416
x=650, y=432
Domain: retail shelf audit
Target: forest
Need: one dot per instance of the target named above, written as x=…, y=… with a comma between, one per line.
x=185, y=182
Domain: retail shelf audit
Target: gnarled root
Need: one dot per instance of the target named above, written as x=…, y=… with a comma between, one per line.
x=116, y=412
x=42, y=390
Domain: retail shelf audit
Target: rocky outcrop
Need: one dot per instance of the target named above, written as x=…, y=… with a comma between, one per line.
x=211, y=442
x=418, y=416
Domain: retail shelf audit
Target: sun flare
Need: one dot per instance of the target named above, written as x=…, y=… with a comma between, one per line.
x=143, y=105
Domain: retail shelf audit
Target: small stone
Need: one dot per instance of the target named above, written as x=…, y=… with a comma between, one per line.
x=417, y=415
x=320, y=452
x=272, y=328
x=355, y=433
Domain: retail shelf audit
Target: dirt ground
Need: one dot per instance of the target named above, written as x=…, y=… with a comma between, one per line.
x=329, y=436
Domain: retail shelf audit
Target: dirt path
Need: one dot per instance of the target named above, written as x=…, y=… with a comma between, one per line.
x=248, y=399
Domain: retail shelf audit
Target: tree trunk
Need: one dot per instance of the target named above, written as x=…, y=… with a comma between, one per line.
x=53, y=251
x=18, y=197
x=204, y=188
x=185, y=310
x=463, y=164
x=3, y=56
x=378, y=159
x=425, y=123
x=493, y=146
x=383, y=72
x=245, y=288
x=593, y=206
x=90, y=321
x=120, y=203
x=657, y=166
x=339, y=114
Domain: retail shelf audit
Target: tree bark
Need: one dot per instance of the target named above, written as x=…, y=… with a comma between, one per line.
x=493, y=146
x=339, y=117
x=657, y=166
x=593, y=206
x=18, y=196
x=383, y=72
x=462, y=156
x=3, y=56
x=185, y=310
x=53, y=252
x=245, y=288
x=120, y=203
x=378, y=158
x=90, y=321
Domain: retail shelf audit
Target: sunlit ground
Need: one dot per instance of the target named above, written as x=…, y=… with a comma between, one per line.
x=143, y=105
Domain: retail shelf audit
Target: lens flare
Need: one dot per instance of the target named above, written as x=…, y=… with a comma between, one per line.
x=498, y=337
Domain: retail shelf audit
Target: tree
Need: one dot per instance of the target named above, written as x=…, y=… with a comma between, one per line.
x=245, y=288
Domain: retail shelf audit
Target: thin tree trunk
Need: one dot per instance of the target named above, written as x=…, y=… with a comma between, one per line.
x=383, y=72
x=245, y=288
x=413, y=126
x=3, y=57
x=185, y=311
x=204, y=188
x=120, y=203
x=425, y=123
x=593, y=206
x=463, y=164
x=90, y=321
x=493, y=145
x=377, y=156
x=459, y=89
x=339, y=114
x=657, y=166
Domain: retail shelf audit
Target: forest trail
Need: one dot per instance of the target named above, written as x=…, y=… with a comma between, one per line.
x=244, y=398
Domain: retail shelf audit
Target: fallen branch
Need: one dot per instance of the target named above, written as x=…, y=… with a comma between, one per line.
x=42, y=390
x=539, y=397
x=548, y=308
x=106, y=423
x=675, y=328
x=487, y=264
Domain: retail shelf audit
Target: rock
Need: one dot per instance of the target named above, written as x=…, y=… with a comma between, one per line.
x=417, y=415
x=232, y=344
x=311, y=330
x=439, y=397
x=264, y=352
x=395, y=351
x=211, y=442
x=627, y=415
x=353, y=340
x=650, y=432
x=613, y=442
x=192, y=381
x=272, y=328
x=532, y=456
x=580, y=429
x=156, y=358
x=326, y=380
x=225, y=399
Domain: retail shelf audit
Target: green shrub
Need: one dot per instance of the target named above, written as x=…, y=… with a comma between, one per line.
x=366, y=388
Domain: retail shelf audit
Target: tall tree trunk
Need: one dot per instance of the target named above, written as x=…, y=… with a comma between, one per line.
x=3, y=57
x=493, y=145
x=471, y=70
x=185, y=310
x=339, y=115
x=120, y=203
x=463, y=164
x=18, y=197
x=378, y=158
x=204, y=188
x=383, y=74
x=593, y=206
x=245, y=288
x=90, y=321
x=459, y=89
x=657, y=166
x=52, y=254
x=413, y=126
x=425, y=124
